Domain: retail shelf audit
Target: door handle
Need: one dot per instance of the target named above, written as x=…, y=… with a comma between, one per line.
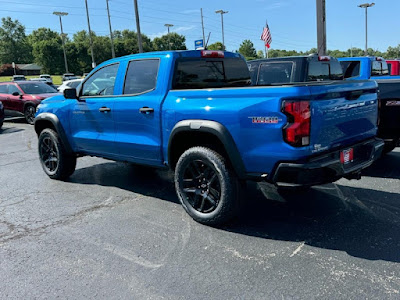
x=104, y=109
x=146, y=110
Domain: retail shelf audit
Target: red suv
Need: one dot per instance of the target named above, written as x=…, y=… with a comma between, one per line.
x=21, y=98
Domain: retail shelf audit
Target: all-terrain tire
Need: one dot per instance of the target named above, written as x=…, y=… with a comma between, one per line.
x=207, y=187
x=55, y=160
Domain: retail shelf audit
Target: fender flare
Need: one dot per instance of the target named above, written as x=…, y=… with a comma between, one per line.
x=53, y=119
x=216, y=129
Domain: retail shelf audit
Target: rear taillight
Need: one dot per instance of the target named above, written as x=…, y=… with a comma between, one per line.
x=297, y=131
x=211, y=53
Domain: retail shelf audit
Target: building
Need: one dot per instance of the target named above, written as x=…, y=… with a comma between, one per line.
x=28, y=69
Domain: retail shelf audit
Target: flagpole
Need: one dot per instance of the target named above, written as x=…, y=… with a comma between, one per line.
x=267, y=52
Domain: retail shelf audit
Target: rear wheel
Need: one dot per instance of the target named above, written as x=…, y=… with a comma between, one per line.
x=207, y=187
x=56, y=163
x=29, y=114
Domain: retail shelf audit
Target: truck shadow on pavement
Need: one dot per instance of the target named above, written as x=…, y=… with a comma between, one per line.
x=365, y=223
x=386, y=167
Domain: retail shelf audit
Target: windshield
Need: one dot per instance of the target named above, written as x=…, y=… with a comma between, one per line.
x=37, y=88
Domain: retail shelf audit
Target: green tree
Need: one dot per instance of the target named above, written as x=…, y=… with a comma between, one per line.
x=49, y=55
x=126, y=42
x=14, y=46
x=247, y=50
x=392, y=52
x=216, y=46
x=47, y=50
x=260, y=54
x=176, y=41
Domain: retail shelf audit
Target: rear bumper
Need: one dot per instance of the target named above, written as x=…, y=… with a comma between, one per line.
x=328, y=168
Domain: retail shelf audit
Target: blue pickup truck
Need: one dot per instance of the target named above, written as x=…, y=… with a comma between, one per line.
x=376, y=68
x=196, y=113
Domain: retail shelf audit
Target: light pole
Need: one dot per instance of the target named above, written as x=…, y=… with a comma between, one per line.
x=169, y=43
x=138, y=27
x=222, y=22
x=321, y=27
x=111, y=34
x=90, y=35
x=366, y=6
x=62, y=14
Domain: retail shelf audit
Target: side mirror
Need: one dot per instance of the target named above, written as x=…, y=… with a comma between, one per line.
x=15, y=94
x=70, y=94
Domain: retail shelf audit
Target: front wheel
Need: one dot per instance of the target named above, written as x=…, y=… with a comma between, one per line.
x=207, y=187
x=29, y=114
x=56, y=163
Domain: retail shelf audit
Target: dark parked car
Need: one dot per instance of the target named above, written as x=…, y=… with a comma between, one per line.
x=21, y=98
x=1, y=114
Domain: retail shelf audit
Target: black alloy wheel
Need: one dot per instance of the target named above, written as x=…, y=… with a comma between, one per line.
x=207, y=186
x=30, y=112
x=49, y=154
x=201, y=186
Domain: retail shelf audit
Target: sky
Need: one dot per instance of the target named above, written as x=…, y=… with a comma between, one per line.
x=292, y=22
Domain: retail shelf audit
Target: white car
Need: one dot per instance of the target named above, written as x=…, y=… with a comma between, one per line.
x=70, y=84
x=38, y=79
x=47, y=77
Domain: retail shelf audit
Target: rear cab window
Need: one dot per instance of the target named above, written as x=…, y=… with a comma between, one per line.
x=324, y=70
x=275, y=72
x=379, y=68
x=351, y=68
x=200, y=73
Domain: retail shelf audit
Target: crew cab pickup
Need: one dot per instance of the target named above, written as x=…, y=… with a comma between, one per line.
x=361, y=68
x=196, y=113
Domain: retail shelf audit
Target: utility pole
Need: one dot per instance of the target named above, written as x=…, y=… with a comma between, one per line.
x=62, y=14
x=366, y=6
x=222, y=23
x=90, y=35
x=169, y=42
x=321, y=27
x=111, y=33
x=138, y=27
x=202, y=26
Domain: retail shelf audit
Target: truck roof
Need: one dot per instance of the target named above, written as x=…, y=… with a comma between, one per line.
x=173, y=54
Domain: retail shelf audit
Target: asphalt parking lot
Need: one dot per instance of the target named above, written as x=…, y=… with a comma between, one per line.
x=115, y=231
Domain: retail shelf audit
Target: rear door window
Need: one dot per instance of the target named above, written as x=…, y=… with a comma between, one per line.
x=3, y=89
x=141, y=76
x=275, y=72
x=196, y=73
x=12, y=89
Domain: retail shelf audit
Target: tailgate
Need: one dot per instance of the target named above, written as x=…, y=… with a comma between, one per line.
x=389, y=125
x=343, y=113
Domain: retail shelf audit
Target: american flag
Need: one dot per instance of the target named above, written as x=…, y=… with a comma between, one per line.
x=266, y=36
